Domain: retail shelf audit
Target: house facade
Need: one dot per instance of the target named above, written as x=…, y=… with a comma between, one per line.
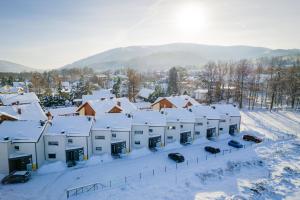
x=21, y=145
x=148, y=129
x=111, y=134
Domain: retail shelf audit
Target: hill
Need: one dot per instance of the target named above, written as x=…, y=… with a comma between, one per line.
x=166, y=56
x=6, y=66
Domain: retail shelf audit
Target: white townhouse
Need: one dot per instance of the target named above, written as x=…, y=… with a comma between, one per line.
x=230, y=118
x=31, y=111
x=111, y=134
x=21, y=145
x=206, y=121
x=18, y=98
x=148, y=129
x=180, y=125
x=68, y=139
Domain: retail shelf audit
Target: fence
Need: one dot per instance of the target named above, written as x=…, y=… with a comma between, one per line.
x=121, y=181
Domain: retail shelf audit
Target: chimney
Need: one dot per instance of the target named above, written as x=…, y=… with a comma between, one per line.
x=119, y=103
x=19, y=111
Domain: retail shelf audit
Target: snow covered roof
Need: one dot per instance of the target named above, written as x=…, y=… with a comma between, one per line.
x=32, y=111
x=179, y=101
x=227, y=109
x=142, y=105
x=98, y=95
x=178, y=115
x=145, y=93
x=113, y=121
x=125, y=104
x=200, y=111
x=22, y=98
x=150, y=117
x=21, y=131
x=70, y=125
x=63, y=111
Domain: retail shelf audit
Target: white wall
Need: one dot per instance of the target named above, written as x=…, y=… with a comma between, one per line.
x=59, y=150
x=158, y=130
x=213, y=123
x=142, y=138
x=224, y=124
x=200, y=126
x=5, y=150
x=103, y=143
x=175, y=133
x=80, y=142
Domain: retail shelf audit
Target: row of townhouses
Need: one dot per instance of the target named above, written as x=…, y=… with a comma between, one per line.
x=29, y=137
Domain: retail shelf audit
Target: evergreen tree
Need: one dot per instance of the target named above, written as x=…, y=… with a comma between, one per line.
x=173, y=81
x=116, y=87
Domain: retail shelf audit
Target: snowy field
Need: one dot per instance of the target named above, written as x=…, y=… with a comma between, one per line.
x=270, y=170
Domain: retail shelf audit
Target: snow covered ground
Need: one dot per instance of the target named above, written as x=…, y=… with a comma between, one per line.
x=270, y=170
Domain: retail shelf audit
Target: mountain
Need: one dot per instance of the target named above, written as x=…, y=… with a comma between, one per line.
x=176, y=54
x=6, y=66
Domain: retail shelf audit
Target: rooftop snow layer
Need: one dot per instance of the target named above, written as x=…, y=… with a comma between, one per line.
x=32, y=111
x=23, y=98
x=21, y=131
x=152, y=118
x=145, y=93
x=70, y=125
x=178, y=115
x=201, y=111
x=179, y=101
x=98, y=95
x=63, y=111
x=113, y=121
x=227, y=108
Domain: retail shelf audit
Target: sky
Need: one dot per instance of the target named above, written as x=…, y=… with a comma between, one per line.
x=50, y=34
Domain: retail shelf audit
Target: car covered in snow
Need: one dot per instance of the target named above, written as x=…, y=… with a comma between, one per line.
x=177, y=157
x=235, y=144
x=252, y=138
x=211, y=149
x=16, y=177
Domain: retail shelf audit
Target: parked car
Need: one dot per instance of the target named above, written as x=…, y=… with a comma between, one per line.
x=235, y=144
x=212, y=149
x=17, y=177
x=177, y=157
x=252, y=138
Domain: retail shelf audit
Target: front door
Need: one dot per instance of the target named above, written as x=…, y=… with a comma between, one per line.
x=118, y=148
x=185, y=137
x=73, y=155
x=154, y=141
x=232, y=129
x=20, y=163
x=211, y=132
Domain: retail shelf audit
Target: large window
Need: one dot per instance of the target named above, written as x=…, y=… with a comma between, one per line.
x=138, y=132
x=53, y=143
x=100, y=137
x=52, y=155
x=199, y=124
x=137, y=142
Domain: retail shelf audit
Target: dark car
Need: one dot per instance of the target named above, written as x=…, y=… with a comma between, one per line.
x=252, y=138
x=212, y=149
x=17, y=177
x=177, y=157
x=235, y=144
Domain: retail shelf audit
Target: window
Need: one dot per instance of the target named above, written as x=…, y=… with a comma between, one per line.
x=150, y=130
x=70, y=140
x=170, y=137
x=113, y=135
x=137, y=142
x=181, y=126
x=52, y=155
x=221, y=129
x=100, y=137
x=53, y=143
x=98, y=148
x=200, y=124
x=222, y=120
x=172, y=127
x=207, y=122
x=17, y=148
x=138, y=132
x=197, y=132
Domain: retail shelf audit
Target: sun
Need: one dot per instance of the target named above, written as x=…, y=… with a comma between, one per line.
x=191, y=18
